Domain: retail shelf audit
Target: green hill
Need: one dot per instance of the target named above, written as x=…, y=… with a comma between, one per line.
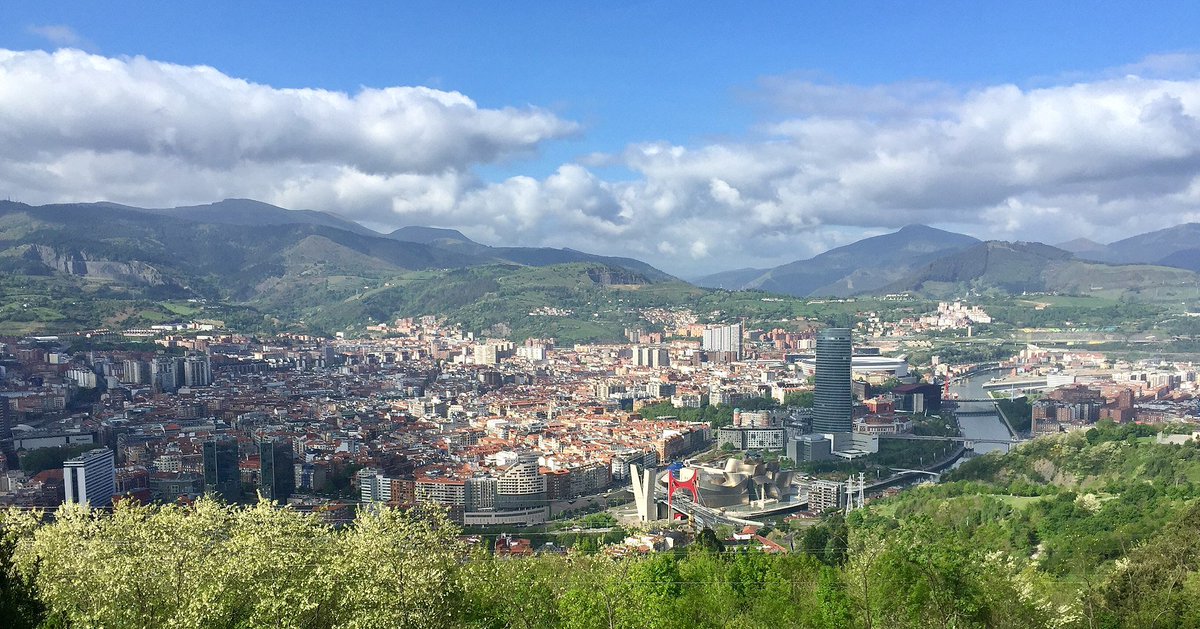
x=591, y=301
x=858, y=267
x=118, y=263
x=998, y=267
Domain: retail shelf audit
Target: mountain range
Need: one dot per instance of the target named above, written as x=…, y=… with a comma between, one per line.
x=88, y=265
x=924, y=260
x=859, y=267
x=1177, y=246
x=192, y=251
x=319, y=267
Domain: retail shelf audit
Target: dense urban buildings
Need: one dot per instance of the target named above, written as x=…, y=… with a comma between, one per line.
x=419, y=411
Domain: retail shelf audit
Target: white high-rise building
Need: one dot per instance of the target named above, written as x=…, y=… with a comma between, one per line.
x=724, y=338
x=83, y=378
x=90, y=478
x=486, y=354
x=136, y=372
x=197, y=371
x=167, y=376
x=650, y=357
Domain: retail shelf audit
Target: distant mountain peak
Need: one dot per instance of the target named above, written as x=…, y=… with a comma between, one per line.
x=918, y=227
x=1080, y=245
x=850, y=268
x=426, y=235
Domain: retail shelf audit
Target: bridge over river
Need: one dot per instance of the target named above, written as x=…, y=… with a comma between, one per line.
x=956, y=439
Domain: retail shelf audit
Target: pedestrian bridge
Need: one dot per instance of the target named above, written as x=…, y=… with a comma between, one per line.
x=958, y=439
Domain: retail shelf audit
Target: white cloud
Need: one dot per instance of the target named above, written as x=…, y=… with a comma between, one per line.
x=60, y=35
x=54, y=105
x=1105, y=158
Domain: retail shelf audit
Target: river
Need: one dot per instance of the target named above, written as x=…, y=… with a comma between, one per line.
x=988, y=426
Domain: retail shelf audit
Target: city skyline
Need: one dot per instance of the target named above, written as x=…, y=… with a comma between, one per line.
x=625, y=314
x=773, y=138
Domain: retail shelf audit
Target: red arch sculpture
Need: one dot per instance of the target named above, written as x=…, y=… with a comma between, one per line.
x=688, y=485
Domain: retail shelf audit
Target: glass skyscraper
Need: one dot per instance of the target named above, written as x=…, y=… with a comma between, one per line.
x=277, y=476
x=221, y=473
x=833, y=405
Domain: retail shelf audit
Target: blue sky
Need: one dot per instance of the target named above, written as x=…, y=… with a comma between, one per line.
x=715, y=82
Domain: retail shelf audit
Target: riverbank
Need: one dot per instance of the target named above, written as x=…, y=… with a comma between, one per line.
x=1004, y=418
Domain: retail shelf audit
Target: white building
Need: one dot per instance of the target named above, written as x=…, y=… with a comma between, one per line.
x=651, y=356
x=532, y=352
x=197, y=371
x=90, y=478
x=136, y=372
x=522, y=484
x=824, y=495
x=83, y=378
x=486, y=354
x=724, y=338
x=752, y=438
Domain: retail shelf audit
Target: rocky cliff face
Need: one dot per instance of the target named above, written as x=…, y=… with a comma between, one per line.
x=83, y=264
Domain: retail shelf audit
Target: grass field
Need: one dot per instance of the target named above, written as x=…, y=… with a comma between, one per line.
x=182, y=309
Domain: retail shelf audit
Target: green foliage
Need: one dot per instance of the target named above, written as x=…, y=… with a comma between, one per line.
x=217, y=566
x=19, y=602
x=1158, y=584
x=706, y=541
x=716, y=415
x=801, y=399
x=42, y=459
x=1018, y=411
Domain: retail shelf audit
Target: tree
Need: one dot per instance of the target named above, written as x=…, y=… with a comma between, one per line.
x=42, y=459
x=706, y=540
x=802, y=399
x=19, y=602
x=214, y=565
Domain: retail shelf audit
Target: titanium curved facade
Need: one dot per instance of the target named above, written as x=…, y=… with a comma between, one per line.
x=737, y=483
x=832, y=403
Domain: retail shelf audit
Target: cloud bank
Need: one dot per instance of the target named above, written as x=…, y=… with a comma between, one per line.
x=1104, y=158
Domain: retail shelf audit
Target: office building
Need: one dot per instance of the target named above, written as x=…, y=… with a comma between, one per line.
x=221, y=474
x=833, y=403
x=747, y=438
x=277, y=476
x=810, y=448
x=90, y=478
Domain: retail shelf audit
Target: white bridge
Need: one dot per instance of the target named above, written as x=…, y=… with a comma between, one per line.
x=936, y=476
